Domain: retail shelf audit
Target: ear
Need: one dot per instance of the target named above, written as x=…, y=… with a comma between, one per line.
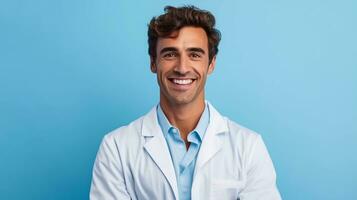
x=153, y=65
x=212, y=65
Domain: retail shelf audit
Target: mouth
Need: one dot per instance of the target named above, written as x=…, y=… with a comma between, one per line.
x=182, y=83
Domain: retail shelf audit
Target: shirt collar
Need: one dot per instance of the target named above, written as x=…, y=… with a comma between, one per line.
x=200, y=128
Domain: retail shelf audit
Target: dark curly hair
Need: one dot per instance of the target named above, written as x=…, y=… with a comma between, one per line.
x=176, y=18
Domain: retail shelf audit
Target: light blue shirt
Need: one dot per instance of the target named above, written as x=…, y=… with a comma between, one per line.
x=184, y=161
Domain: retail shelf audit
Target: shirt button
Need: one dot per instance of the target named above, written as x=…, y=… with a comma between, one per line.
x=182, y=169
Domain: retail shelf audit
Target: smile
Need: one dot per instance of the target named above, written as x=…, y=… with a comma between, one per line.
x=182, y=81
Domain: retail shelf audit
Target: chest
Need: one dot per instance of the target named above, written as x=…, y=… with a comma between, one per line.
x=221, y=177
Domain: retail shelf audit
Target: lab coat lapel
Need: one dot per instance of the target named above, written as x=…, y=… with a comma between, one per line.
x=157, y=148
x=213, y=139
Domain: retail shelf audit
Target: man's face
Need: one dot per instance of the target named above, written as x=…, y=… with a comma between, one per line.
x=182, y=66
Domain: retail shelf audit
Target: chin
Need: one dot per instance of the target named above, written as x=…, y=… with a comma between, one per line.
x=180, y=99
x=183, y=100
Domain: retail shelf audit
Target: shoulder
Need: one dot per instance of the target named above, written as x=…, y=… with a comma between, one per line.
x=241, y=132
x=126, y=134
x=236, y=132
x=239, y=137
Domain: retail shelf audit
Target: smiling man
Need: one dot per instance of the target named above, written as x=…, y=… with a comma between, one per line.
x=183, y=148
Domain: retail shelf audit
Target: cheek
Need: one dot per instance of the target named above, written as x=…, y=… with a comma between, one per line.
x=203, y=69
x=161, y=74
x=164, y=68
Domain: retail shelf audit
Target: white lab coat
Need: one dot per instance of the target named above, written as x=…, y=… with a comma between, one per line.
x=134, y=162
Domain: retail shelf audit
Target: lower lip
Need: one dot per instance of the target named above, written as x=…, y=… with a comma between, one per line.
x=181, y=87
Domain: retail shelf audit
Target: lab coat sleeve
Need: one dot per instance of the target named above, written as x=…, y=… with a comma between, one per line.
x=108, y=177
x=261, y=176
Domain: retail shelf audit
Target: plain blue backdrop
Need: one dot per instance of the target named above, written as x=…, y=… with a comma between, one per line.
x=71, y=71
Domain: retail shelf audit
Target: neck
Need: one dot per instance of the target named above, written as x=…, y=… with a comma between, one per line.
x=185, y=117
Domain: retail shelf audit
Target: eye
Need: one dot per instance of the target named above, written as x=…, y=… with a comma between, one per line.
x=195, y=55
x=170, y=55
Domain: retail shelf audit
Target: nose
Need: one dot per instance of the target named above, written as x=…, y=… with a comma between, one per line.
x=183, y=65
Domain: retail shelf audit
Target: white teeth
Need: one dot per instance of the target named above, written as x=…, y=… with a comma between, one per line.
x=182, y=81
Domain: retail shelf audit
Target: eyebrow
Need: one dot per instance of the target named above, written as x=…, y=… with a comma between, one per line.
x=174, y=49
x=166, y=49
x=196, y=49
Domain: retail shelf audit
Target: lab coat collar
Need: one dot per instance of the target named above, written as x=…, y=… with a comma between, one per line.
x=213, y=139
x=157, y=148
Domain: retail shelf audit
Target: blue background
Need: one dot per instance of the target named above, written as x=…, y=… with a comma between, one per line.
x=71, y=71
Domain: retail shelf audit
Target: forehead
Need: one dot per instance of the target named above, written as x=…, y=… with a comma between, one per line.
x=186, y=37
